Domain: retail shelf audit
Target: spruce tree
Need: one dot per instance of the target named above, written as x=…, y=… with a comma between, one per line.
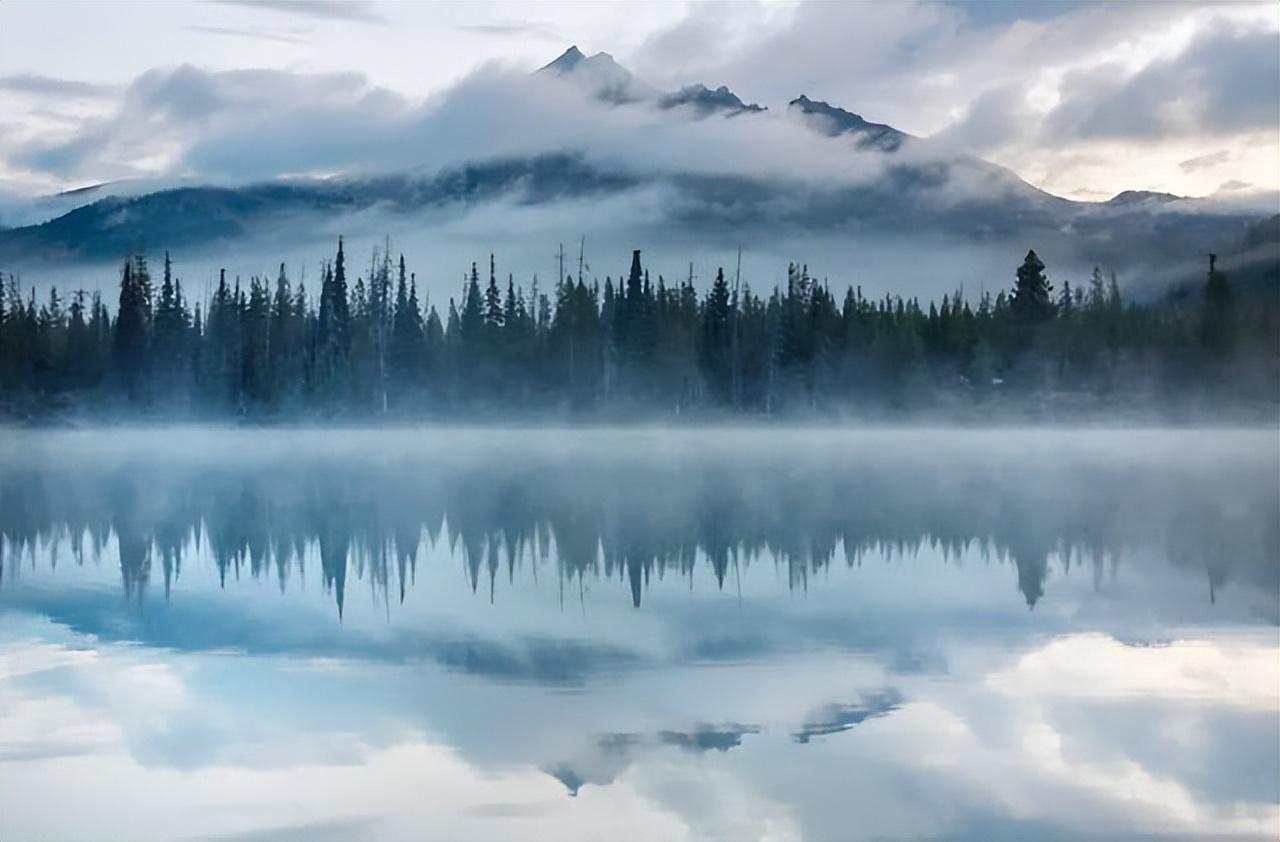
x=716, y=338
x=1217, y=313
x=1031, y=303
x=131, y=331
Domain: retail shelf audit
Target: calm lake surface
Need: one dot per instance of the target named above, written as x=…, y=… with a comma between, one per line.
x=805, y=634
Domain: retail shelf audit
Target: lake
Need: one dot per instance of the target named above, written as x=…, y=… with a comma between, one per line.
x=650, y=634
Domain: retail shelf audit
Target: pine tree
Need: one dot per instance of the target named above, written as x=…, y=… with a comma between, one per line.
x=1217, y=315
x=1097, y=290
x=472, y=317
x=283, y=341
x=716, y=338
x=493, y=313
x=170, y=338
x=407, y=339
x=131, y=331
x=1031, y=303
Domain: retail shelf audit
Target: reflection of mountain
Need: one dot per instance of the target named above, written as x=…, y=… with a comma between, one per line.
x=622, y=516
x=834, y=719
x=610, y=754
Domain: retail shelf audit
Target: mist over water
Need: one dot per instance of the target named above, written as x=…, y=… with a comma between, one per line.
x=728, y=633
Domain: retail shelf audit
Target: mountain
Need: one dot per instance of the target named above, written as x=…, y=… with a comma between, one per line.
x=836, y=121
x=567, y=61
x=609, y=81
x=706, y=101
x=212, y=217
x=908, y=192
x=601, y=75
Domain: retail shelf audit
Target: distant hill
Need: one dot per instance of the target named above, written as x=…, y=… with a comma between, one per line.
x=1142, y=197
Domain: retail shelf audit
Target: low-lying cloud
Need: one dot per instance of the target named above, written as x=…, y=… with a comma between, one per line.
x=244, y=125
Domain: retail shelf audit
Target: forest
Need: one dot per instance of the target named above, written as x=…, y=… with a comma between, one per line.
x=268, y=349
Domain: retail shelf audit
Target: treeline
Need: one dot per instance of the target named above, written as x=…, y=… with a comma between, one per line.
x=268, y=349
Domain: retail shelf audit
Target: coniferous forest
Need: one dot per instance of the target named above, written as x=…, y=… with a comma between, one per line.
x=635, y=346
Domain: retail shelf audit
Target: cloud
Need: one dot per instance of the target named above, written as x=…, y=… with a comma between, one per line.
x=905, y=63
x=1031, y=85
x=513, y=29
x=994, y=118
x=165, y=112
x=1013, y=11
x=52, y=86
x=259, y=33
x=244, y=125
x=852, y=53
x=1226, y=81
x=344, y=10
x=1201, y=162
x=240, y=126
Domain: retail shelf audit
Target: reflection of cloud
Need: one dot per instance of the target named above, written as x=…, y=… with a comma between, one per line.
x=1004, y=764
x=322, y=830
x=1097, y=666
x=996, y=731
x=39, y=726
x=27, y=657
x=541, y=660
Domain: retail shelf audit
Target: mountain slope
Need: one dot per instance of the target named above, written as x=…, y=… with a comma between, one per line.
x=836, y=121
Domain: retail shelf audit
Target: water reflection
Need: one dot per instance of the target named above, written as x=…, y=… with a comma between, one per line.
x=804, y=634
x=615, y=509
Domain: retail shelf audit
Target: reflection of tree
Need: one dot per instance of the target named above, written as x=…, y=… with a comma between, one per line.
x=634, y=519
x=1031, y=559
x=1028, y=547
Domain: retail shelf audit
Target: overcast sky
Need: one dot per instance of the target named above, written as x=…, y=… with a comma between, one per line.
x=1081, y=99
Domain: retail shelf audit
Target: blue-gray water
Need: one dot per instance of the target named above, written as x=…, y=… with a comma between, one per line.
x=805, y=634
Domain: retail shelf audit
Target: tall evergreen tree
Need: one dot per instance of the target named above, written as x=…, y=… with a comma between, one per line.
x=132, y=328
x=717, y=326
x=1031, y=303
x=1217, y=312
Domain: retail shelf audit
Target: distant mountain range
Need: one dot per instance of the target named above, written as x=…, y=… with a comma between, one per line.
x=916, y=190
